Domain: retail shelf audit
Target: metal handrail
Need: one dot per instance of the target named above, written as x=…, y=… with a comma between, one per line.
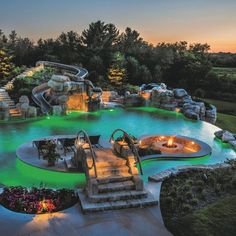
x=90, y=147
x=131, y=145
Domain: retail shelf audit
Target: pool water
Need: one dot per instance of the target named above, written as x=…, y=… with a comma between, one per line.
x=137, y=121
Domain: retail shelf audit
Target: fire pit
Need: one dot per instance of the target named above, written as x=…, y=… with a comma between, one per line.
x=175, y=146
x=170, y=144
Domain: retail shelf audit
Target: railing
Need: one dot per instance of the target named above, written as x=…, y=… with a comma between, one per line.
x=131, y=145
x=86, y=139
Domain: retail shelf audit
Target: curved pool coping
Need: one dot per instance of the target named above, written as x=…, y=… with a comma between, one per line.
x=204, y=151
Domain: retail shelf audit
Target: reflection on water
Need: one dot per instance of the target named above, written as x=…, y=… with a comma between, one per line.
x=137, y=121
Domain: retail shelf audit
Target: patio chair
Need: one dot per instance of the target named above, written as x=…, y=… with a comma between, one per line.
x=68, y=144
x=94, y=139
x=41, y=146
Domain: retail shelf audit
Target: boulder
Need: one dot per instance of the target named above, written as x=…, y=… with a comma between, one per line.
x=62, y=99
x=163, y=86
x=32, y=111
x=56, y=83
x=189, y=113
x=24, y=99
x=227, y=136
x=127, y=93
x=24, y=107
x=163, y=99
x=192, y=106
x=187, y=99
x=219, y=133
x=233, y=144
x=4, y=111
x=168, y=106
x=134, y=100
x=57, y=110
x=179, y=93
x=211, y=114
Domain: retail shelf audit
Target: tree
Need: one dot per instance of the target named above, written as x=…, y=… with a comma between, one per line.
x=117, y=72
x=6, y=65
x=96, y=68
x=68, y=46
x=3, y=39
x=132, y=70
x=129, y=41
x=98, y=40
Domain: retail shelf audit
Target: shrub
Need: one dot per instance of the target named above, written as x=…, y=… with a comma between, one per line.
x=194, y=201
x=36, y=200
x=186, y=187
x=186, y=207
x=189, y=182
x=199, y=183
x=189, y=195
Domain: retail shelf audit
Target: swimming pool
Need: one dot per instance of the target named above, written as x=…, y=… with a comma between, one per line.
x=137, y=121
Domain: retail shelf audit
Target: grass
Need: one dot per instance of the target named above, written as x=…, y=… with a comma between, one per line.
x=217, y=219
x=223, y=106
x=227, y=122
x=225, y=72
x=226, y=114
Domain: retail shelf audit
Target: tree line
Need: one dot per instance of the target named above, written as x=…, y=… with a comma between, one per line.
x=119, y=59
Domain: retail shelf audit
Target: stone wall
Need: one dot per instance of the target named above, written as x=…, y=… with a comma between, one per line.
x=26, y=110
x=179, y=100
x=4, y=111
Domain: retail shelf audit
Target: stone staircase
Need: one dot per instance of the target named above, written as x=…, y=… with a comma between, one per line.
x=4, y=97
x=116, y=186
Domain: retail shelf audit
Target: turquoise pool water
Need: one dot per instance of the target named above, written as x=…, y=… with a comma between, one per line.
x=137, y=121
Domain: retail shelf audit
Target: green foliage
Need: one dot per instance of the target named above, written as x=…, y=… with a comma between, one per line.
x=178, y=64
x=216, y=219
x=24, y=85
x=187, y=207
x=50, y=153
x=6, y=65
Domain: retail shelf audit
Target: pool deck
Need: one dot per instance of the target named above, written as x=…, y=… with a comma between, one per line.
x=134, y=221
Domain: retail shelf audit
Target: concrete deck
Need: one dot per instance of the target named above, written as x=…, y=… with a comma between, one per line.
x=141, y=221
x=29, y=154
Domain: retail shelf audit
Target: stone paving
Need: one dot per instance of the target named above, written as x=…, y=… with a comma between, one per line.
x=136, y=221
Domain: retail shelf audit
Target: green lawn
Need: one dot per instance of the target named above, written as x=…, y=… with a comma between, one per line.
x=225, y=72
x=222, y=106
x=217, y=219
x=226, y=114
x=227, y=122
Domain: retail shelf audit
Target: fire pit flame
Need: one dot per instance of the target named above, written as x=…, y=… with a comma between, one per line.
x=170, y=142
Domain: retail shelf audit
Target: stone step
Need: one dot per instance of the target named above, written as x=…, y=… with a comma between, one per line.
x=114, y=178
x=119, y=186
x=89, y=207
x=16, y=115
x=14, y=112
x=117, y=196
x=112, y=171
x=101, y=164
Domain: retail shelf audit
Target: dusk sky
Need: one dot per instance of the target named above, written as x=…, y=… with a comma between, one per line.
x=205, y=21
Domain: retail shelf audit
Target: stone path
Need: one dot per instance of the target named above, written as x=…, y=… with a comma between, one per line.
x=4, y=97
x=136, y=221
